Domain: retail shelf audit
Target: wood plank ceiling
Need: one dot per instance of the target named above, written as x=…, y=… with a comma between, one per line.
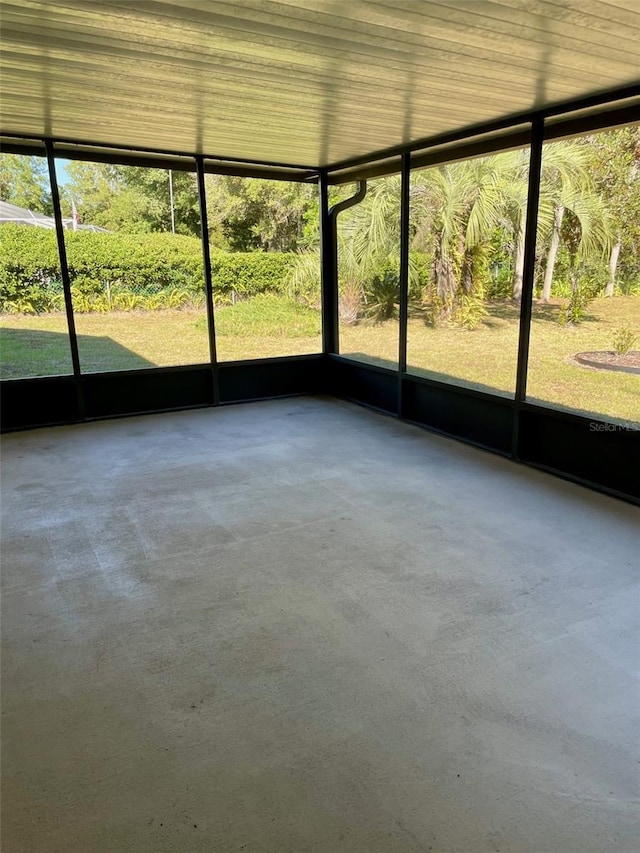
x=308, y=82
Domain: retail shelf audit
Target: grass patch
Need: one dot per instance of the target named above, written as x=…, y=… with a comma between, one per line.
x=485, y=358
x=34, y=346
x=555, y=377
x=38, y=345
x=269, y=326
x=267, y=316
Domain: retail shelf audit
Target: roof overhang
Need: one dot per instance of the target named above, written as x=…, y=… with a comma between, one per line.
x=303, y=84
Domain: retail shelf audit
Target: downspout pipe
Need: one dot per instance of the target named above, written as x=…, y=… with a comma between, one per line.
x=330, y=265
x=358, y=196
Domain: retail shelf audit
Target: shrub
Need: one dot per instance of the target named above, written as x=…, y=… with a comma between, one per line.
x=630, y=287
x=573, y=312
x=623, y=340
x=140, y=263
x=419, y=274
x=381, y=294
x=349, y=303
x=29, y=269
x=250, y=273
x=376, y=289
x=583, y=292
x=469, y=311
x=125, y=271
x=303, y=278
x=500, y=287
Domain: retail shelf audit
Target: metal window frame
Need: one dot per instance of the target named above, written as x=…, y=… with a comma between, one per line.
x=66, y=279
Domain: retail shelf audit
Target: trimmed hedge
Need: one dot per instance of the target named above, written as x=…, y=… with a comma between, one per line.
x=29, y=269
x=250, y=273
x=123, y=271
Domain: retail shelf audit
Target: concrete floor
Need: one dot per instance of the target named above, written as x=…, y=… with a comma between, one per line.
x=302, y=626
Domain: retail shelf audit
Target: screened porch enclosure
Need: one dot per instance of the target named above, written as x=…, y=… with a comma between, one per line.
x=320, y=414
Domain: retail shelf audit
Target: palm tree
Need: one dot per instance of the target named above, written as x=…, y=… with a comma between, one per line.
x=500, y=205
x=566, y=186
x=303, y=282
x=455, y=210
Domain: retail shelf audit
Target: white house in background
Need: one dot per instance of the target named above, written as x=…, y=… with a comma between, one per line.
x=22, y=216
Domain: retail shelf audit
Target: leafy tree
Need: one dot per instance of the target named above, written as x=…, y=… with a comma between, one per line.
x=613, y=159
x=91, y=187
x=133, y=199
x=254, y=213
x=567, y=188
x=153, y=189
x=244, y=213
x=24, y=181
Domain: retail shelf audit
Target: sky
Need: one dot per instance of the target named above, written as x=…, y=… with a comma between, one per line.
x=61, y=172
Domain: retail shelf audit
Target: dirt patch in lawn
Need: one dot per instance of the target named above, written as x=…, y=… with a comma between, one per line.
x=607, y=360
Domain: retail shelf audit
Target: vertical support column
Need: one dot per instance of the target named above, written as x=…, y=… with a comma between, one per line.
x=533, y=198
x=405, y=186
x=66, y=280
x=328, y=269
x=208, y=280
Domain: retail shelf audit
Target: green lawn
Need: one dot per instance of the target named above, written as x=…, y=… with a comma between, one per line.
x=483, y=358
x=38, y=345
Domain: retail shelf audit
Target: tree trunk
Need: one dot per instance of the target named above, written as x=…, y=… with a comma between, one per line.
x=553, y=251
x=573, y=278
x=445, y=280
x=466, y=272
x=613, y=265
x=519, y=265
x=443, y=276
